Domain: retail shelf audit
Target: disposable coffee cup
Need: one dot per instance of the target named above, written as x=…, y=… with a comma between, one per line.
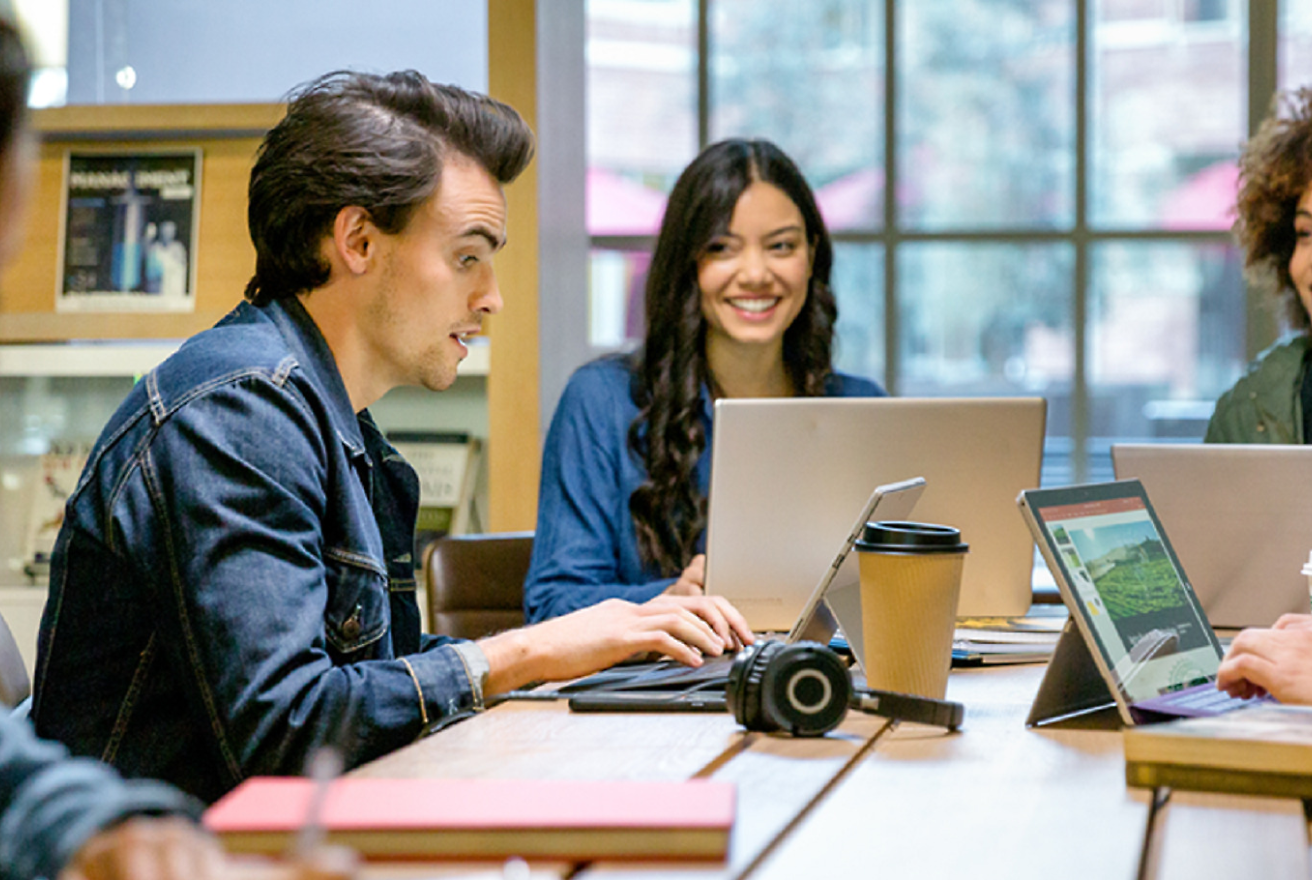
x=910, y=582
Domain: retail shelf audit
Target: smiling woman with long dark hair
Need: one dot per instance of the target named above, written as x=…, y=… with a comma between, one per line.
x=738, y=304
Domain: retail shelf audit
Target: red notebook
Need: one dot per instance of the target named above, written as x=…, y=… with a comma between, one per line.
x=485, y=818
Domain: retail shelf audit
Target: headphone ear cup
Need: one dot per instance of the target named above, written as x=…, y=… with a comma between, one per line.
x=744, y=687
x=805, y=690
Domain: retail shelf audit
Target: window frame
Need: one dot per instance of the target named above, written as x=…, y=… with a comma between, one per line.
x=1083, y=236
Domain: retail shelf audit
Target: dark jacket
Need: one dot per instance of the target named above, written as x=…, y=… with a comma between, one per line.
x=51, y=804
x=233, y=585
x=1265, y=405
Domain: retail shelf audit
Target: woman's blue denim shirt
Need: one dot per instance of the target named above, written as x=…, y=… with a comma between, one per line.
x=585, y=548
x=233, y=584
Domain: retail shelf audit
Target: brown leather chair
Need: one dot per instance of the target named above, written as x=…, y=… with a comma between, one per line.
x=15, y=684
x=475, y=583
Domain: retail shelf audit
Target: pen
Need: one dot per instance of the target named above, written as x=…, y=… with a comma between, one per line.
x=325, y=765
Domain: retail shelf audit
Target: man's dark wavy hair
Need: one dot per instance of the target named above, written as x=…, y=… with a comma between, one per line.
x=669, y=512
x=375, y=141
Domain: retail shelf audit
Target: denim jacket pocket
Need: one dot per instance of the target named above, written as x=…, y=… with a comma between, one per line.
x=357, y=614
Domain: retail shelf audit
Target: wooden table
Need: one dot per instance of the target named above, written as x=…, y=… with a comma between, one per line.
x=1001, y=801
x=995, y=800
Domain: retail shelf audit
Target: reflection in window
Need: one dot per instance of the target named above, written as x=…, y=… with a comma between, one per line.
x=858, y=283
x=1162, y=344
x=985, y=319
x=808, y=76
x=985, y=122
x=642, y=108
x=1295, y=49
x=616, y=283
x=1167, y=115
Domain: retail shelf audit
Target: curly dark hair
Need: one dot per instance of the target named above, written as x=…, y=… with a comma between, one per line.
x=1274, y=172
x=669, y=512
x=375, y=141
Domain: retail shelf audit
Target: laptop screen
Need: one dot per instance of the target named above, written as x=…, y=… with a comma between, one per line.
x=1244, y=565
x=787, y=475
x=1127, y=585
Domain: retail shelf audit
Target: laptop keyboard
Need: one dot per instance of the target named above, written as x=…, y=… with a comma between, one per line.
x=664, y=675
x=1206, y=699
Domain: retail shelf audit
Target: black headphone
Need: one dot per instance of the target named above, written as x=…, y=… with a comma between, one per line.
x=805, y=689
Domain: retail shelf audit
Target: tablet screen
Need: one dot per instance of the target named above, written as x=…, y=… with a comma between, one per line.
x=1127, y=584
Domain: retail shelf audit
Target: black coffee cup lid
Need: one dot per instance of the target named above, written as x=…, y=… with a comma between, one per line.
x=910, y=537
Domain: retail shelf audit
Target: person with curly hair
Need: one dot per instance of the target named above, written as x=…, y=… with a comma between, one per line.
x=738, y=304
x=1272, y=402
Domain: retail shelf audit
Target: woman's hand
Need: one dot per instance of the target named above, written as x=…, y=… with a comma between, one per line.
x=692, y=582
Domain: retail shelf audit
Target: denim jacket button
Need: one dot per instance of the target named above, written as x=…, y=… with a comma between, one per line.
x=351, y=627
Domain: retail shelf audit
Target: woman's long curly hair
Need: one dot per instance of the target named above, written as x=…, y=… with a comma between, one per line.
x=669, y=511
x=1274, y=172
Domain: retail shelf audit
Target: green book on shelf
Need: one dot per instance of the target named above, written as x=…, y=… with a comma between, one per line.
x=1262, y=750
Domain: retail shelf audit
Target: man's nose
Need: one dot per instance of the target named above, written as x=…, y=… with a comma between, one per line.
x=487, y=298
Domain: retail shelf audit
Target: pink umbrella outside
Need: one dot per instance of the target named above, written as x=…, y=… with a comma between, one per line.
x=617, y=206
x=1204, y=200
x=853, y=200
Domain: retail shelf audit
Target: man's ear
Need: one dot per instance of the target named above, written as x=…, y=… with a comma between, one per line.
x=355, y=239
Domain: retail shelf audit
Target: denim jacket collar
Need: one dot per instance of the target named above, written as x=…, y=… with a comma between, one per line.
x=310, y=348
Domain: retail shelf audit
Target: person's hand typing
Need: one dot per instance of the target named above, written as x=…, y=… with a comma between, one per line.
x=171, y=848
x=1277, y=661
x=728, y=623
x=596, y=637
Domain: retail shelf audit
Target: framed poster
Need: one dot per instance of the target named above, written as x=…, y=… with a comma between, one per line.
x=128, y=230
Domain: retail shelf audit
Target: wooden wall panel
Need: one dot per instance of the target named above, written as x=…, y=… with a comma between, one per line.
x=514, y=450
x=228, y=136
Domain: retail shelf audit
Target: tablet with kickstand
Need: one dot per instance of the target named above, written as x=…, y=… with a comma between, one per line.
x=1137, y=636
x=669, y=686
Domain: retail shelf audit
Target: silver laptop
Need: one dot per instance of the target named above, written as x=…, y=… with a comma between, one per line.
x=786, y=475
x=835, y=602
x=1240, y=518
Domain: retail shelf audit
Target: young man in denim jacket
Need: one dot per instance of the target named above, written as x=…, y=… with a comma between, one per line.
x=233, y=586
x=72, y=817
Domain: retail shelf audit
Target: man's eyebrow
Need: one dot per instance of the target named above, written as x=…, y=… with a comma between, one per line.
x=494, y=240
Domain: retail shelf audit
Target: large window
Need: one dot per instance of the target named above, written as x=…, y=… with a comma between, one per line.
x=1029, y=197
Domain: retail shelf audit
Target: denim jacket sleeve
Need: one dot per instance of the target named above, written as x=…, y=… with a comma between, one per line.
x=51, y=804
x=585, y=548
x=272, y=586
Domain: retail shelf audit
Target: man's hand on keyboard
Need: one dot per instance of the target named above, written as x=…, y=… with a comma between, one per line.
x=1277, y=661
